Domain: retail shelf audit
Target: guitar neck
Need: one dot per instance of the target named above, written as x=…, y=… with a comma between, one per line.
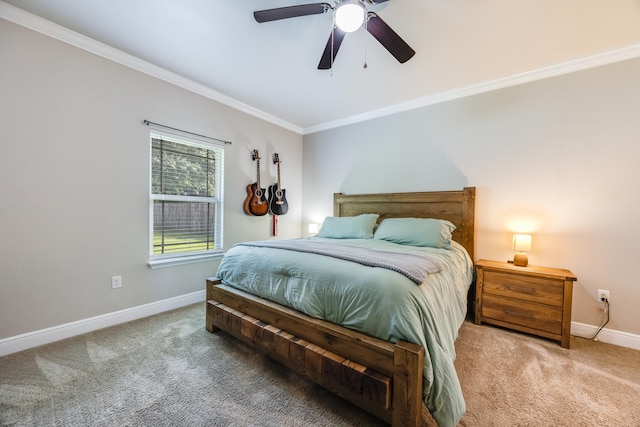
x=258, y=172
x=279, y=186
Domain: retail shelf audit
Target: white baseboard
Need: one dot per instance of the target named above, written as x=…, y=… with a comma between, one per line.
x=67, y=330
x=610, y=336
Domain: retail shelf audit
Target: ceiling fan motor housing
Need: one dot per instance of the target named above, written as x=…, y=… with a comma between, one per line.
x=349, y=15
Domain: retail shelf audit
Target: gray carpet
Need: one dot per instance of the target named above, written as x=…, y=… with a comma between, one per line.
x=166, y=370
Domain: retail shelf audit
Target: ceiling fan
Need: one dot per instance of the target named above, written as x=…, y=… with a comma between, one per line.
x=348, y=16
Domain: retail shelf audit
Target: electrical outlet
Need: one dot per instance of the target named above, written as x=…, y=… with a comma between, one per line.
x=116, y=282
x=604, y=296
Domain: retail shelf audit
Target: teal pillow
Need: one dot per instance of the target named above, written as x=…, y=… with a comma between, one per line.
x=349, y=227
x=435, y=233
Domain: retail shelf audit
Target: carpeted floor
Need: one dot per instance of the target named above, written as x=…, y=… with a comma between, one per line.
x=512, y=379
x=166, y=370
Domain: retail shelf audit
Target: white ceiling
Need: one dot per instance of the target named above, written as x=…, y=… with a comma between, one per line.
x=272, y=67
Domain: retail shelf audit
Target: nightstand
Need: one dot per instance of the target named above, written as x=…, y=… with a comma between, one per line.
x=535, y=300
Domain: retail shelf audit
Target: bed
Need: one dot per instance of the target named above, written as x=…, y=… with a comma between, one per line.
x=386, y=372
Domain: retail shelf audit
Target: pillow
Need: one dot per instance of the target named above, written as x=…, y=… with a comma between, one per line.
x=348, y=227
x=435, y=233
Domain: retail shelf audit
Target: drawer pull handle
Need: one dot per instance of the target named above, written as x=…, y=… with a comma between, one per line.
x=521, y=289
x=515, y=313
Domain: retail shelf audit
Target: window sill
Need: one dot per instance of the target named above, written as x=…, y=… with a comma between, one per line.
x=171, y=261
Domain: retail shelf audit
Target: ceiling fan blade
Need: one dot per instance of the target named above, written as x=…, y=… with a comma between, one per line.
x=389, y=38
x=291, y=12
x=327, y=59
x=376, y=1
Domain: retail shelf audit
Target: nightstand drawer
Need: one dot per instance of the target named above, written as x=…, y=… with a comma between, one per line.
x=536, y=316
x=527, y=288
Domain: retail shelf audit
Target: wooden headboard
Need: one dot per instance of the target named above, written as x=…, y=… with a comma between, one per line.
x=455, y=206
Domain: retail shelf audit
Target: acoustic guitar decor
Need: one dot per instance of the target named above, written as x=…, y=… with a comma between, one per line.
x=256, y=203
x=277, y=198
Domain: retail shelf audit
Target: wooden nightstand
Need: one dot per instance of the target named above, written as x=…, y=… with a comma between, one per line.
x=536, y=300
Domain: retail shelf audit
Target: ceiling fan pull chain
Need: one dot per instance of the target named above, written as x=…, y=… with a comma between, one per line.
x=365, y=41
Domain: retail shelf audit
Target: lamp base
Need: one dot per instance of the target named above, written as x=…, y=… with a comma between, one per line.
x=521, y=260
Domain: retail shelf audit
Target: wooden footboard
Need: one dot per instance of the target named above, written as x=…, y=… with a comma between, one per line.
x=382, y=378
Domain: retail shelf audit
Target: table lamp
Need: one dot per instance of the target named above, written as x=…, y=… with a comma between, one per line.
x=521, y=244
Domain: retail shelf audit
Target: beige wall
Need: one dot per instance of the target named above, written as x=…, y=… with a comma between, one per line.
x=561, y=155
x=474, y=42
x=74, y=177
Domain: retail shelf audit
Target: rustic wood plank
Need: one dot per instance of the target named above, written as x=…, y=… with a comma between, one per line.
x=248, y=325
x=352, y=376
x=465, y=233
x=269, y=337
x=297, y=350
x=226, y=317
x=377, y=388
x=313, y=359
x=211, y=282
x=236, y=320
x=223, y=316
x=332, y=367
x=407, y=384
x=210, y=315
x=258, y=335
x=283, y=340
x=210, y=305
x=374, y=353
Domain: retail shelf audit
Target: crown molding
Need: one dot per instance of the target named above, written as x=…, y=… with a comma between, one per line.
x=43, y=26
x=48, y=28
x=593, y=61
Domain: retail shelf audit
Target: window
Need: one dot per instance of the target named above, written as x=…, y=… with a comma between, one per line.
x=186, y=198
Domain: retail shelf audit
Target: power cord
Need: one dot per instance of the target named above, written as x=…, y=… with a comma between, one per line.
x=605, y=312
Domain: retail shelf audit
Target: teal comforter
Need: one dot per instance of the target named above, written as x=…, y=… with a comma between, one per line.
x=373, y=300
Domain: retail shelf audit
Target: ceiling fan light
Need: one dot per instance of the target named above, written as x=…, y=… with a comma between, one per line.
x=349, y=16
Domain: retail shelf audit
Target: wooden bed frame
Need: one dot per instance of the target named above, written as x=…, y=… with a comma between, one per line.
x=383, y=378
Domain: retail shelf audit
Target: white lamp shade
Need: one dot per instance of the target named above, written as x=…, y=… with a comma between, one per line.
x=349, y=16
x=522, y=242
x=313, y=228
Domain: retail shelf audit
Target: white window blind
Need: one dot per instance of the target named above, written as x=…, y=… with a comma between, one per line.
x=186, y=195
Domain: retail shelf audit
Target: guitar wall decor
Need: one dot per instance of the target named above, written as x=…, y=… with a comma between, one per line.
x=278, y=204
x=256, y=203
